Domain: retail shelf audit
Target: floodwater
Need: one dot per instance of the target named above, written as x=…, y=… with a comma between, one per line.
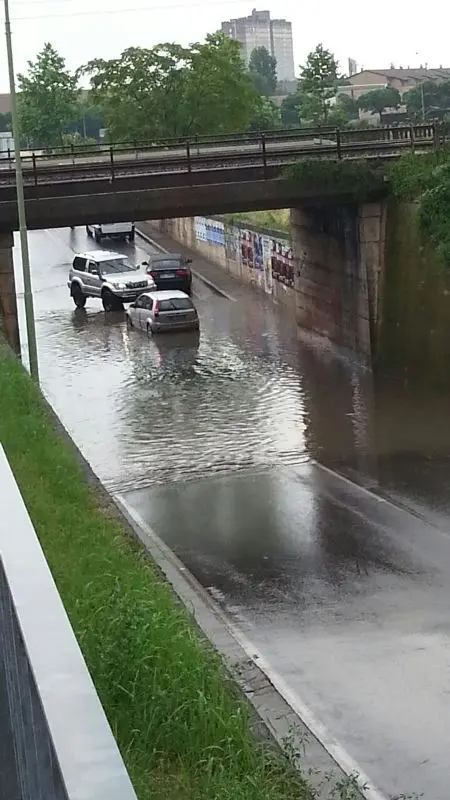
x=237, y=448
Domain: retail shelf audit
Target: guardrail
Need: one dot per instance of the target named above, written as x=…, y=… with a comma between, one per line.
x=55, y=741
x=223, y=153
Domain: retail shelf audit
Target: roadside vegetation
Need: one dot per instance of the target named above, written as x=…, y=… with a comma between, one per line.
x=278, y=220
x=181, y=730
x=426, y=180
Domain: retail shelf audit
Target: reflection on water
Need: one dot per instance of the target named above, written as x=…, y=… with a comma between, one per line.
x=245, y=393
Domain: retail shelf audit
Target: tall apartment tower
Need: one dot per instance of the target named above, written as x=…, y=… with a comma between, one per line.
x=259, y=30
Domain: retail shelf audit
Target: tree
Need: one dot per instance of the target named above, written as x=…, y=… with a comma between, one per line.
x=266, y=117
x=290, y=111
x=172, y=91
x=378, y=100
x=318, y=83
x=89, y=119
x=48, y=98
x=430, y=99
x=263, y=70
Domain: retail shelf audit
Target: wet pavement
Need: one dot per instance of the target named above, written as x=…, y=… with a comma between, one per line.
x=214, y=442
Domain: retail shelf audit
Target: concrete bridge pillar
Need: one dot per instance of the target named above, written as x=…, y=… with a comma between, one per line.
x=8, y=303
x=339, y=257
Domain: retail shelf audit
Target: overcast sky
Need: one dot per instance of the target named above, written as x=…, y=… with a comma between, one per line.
x=375, y=34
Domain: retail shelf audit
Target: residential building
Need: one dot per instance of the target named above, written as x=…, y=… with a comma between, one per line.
x=259, y=30
x=401, y=79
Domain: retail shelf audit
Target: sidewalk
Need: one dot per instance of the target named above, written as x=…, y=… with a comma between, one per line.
x=216, y=277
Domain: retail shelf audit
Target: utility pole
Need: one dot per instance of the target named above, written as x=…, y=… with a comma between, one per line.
x=28, y=295
x=423, y=101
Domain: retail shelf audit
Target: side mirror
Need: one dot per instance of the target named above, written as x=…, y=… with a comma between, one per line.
x=189, y=261
x=145, y=264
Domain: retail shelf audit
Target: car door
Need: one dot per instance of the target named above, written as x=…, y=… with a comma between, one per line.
x=93, y=278
x=147, y=316
x=138, y=312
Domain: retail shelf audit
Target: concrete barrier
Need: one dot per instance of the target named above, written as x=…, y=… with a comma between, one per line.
x=55, y=740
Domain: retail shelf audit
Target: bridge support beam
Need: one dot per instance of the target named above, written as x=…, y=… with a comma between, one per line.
x=339, y=256
x=8, y=302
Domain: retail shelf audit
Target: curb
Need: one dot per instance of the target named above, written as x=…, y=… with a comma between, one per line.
x=198, y=275
x=281, y=712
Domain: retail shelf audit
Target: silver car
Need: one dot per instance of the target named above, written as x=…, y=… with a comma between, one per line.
x=156, y=312
x=108, y=276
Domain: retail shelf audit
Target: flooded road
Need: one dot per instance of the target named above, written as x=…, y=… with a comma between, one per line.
x=214, y=442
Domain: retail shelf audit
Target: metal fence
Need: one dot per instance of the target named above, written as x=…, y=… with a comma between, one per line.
x=171, y=163
x=55, y=741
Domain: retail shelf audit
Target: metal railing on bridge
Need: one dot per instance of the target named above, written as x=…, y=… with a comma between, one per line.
x=55, y=741
x=226, y=152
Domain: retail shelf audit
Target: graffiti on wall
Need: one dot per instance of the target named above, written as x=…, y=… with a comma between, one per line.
x=232, y=243
x=210, y=231
x=282, y=260
x=268, y=258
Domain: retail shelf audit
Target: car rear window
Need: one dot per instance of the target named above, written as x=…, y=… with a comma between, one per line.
x=176, y=304
x=165, y=265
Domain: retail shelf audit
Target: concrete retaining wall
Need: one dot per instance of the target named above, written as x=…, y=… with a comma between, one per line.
x=261, y=259
x=329, y=273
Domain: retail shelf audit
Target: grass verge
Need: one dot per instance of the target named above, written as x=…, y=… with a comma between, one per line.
x=181, y=730
x=278, y=220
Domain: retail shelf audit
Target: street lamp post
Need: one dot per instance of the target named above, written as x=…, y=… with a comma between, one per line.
x=28, y=296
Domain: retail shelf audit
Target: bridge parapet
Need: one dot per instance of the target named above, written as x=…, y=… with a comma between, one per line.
x=55, y=741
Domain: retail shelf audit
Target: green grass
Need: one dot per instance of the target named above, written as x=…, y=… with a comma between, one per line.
x=181, y=730
x=278, y=220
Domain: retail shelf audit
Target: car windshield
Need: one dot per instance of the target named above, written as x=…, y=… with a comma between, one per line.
x=175, y=304
x=165, y=265
x=116, y=265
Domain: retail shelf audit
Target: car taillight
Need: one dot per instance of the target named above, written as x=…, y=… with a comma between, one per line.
x=152, y=272
x=182, y=272
x=156, y=308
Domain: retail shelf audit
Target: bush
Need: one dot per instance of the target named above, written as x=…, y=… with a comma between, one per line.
x=426, y=179
x=356, y=178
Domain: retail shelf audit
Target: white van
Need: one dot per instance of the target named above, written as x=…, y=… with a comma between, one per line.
x=115, y=230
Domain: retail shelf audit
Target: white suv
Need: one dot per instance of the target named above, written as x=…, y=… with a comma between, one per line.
x=108, y=276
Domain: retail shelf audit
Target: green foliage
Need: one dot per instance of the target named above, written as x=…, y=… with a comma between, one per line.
x=48, y=98
x=346, y=108
x=172, y=91
x=318, y=85
x=355, y=178
x=378, y=100
x=410, y=176
x=263, y=70
x=290, y=111
x=266, y=116
x=426, y=179
x=431, y=100
x=278, y=220
x=89, y=119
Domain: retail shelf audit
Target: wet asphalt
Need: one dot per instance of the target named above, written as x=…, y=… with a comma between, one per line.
x=237, y=448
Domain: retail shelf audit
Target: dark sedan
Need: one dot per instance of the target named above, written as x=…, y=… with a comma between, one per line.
x=171, y=271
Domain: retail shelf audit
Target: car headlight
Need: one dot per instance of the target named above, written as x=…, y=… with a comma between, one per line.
x=119, y=286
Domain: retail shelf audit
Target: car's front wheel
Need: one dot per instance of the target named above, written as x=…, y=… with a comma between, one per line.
x=110, y=302
x=78, y=297
x=149, y=331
